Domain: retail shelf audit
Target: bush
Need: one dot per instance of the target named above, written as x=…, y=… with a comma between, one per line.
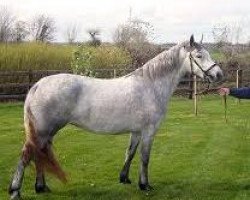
x=87, y=60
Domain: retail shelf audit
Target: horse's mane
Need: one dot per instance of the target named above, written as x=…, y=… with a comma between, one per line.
x=161, y=65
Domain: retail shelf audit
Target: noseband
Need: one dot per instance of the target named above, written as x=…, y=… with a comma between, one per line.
x=205, y=72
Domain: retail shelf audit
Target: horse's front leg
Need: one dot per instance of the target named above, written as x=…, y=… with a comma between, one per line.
x=134, y=141
x=146, y=143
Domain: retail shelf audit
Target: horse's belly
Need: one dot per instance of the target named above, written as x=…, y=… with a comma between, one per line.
x=109, y=123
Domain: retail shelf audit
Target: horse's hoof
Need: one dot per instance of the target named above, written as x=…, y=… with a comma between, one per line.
x=15, y=195
x=145, y=187
x=124, y=179
x=42, y=189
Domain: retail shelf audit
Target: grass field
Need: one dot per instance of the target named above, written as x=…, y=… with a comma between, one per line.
x=192, y=157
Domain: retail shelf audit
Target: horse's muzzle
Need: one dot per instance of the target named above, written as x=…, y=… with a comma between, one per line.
x=220, y=76
x=216, y=76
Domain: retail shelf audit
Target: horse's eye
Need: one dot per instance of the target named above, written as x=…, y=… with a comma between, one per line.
x=199, y=56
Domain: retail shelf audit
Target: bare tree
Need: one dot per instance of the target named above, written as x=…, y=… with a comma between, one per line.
x=227, y=37
x=71, y=33
x=94, y=33
x=134, y=36
x=6, y=24
x=43, y=28
x=20, y=31
x=221, y=35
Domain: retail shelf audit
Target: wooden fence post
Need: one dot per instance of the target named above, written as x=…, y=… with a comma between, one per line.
x=238, y=80
x=114, y=73
x=30, y=78
x=239, y=75
x=191, y=87
x=195, y=94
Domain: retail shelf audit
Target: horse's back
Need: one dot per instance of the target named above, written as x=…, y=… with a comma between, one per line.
x=53, y=87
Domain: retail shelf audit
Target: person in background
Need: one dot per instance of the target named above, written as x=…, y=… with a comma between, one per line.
x=241, y=93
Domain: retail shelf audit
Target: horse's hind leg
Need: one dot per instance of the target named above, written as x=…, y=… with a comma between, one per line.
x=40, y=185
x=16, y=183
x=134, y=141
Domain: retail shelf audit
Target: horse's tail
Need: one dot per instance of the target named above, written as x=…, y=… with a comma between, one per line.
x=43, y=156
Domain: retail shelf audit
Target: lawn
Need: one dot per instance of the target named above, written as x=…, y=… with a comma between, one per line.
x=192, y=158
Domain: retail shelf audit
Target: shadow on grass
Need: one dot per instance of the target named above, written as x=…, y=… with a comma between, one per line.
x=203, y=190
x=162, y=190
x=78, y=191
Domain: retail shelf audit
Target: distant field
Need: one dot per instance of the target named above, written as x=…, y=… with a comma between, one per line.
x=219, y=57
x=192, y=158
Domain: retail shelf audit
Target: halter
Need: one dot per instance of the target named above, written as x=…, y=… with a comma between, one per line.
x=205, y=72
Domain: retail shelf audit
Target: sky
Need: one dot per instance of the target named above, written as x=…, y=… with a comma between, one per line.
x=172, y=20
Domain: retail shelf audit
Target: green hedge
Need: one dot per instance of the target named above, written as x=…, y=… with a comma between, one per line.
x=40, y=56
x=36, y=56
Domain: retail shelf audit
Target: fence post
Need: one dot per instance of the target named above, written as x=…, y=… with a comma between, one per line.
x=191, y=87
x=30, y=78
x=114, y=73
x=195, y=94
x=240, y=77
x=238, y=80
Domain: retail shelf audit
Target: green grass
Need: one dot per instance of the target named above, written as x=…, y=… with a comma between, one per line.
x=192, y=158
x=218, y=56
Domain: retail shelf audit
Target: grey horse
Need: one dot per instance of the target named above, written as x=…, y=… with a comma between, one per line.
x=135, y=103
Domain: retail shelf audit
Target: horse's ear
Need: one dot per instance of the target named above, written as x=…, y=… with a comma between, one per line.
x=201, y=38
x=192, y=40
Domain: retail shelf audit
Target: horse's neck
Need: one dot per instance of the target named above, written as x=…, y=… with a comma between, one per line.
x=167, y=63
x=164, y=71
x=165, y=86
x=165, y=67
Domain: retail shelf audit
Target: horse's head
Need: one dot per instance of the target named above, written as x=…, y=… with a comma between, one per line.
x=198, y=61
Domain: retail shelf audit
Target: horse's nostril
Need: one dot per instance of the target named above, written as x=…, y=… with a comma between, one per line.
x=219, y=76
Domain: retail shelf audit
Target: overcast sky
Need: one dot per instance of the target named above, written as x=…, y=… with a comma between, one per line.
x=173, y=20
